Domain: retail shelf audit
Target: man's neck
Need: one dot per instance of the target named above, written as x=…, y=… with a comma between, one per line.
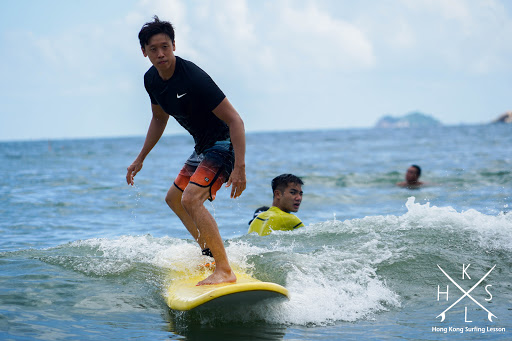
x=280, y=208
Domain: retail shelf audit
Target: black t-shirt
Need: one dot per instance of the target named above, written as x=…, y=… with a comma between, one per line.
x=189, y=96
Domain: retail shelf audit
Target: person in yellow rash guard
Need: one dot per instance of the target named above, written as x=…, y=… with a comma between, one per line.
x=287, y=189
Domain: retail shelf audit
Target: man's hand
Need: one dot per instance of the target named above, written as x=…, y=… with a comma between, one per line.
x=237, y=181
x=134, y=168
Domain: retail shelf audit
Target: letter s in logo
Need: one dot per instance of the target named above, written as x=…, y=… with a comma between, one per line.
x=490, y=298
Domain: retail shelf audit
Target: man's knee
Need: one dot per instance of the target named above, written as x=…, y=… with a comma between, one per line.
x=194, y=196
x=168, y=200
x=173, y=198
x=189, y=200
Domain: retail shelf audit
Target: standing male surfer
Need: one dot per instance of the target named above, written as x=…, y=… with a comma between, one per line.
x=179, y=88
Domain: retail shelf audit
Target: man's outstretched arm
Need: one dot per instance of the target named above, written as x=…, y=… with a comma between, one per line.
x=155, y=131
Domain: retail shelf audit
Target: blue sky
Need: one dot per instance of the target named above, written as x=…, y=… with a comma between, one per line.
x=73, y=69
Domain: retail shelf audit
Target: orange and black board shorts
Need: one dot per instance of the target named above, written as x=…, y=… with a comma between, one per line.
x=210, y=169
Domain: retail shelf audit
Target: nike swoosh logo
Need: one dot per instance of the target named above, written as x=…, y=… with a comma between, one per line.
x=179, y=96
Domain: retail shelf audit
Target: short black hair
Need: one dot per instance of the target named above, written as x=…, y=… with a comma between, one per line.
x=281, y=182
x=418, y=169
x=258, y=211
x=154, y=27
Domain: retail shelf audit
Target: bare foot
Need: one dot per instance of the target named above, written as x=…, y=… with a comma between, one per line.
x=218, y=277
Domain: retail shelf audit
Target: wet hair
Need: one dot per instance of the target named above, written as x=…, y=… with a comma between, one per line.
x=281, y=182
x=258, y=211
x=154, y=27
x=418, y=169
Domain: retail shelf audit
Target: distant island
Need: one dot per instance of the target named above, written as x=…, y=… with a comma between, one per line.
x=505, y=118
x=414, y=119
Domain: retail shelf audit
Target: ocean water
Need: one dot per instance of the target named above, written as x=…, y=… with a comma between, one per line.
x=83, y=256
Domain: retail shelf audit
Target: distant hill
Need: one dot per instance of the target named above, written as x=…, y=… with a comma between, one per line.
x=414, y=119
x=505, y=118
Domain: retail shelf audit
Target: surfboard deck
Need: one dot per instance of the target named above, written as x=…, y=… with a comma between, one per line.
x=183, y=294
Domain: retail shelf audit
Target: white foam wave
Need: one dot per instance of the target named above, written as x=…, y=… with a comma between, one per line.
x=325, y=284
x=319, y=299
x=490, y=232
x=329, y=283
x=331, y=269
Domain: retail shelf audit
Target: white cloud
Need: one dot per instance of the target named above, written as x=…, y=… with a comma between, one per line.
x=233, y=20
x=284, y=35
x=315, y=35
x=464, y=35
x=449, y=9
x=360, y=58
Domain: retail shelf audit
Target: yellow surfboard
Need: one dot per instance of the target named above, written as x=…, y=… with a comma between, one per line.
x=183, y=294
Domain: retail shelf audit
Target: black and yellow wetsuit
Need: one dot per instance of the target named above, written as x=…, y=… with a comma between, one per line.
x=274, y=219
